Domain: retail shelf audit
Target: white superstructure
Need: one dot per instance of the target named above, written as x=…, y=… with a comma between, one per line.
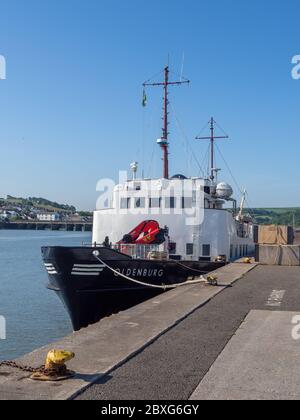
x=199, y=225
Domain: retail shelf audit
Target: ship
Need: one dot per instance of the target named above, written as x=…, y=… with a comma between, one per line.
x=155, y=235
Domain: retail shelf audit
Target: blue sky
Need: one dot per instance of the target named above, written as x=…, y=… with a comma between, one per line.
x=71, y=104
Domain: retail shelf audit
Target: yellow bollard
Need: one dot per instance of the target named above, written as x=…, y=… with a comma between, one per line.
x=55, y=368
x=212, y=280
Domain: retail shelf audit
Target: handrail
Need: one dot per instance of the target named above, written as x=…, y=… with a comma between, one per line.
x=136, y=251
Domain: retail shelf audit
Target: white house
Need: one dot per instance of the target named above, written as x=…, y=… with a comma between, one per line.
x=48, y=217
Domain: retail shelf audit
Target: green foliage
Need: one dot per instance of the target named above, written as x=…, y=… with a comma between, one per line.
x=85, y=213
x=280, y=216
x=42, y=202
x=39, y=203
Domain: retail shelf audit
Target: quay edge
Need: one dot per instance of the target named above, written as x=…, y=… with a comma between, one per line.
x=114, y=340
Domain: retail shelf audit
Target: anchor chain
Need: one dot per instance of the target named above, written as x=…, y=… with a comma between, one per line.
x=61, y=370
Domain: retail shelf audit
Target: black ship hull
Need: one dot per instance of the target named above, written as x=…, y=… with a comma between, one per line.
x=91, y=288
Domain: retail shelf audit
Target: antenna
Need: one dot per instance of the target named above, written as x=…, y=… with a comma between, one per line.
x=134, y=169
x=182, y=66
x=163, y=141
x=212, y=139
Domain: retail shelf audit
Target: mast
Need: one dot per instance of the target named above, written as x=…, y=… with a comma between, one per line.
x=165, y=143
x=164, y=140
x=212, y=139
x=212, y=149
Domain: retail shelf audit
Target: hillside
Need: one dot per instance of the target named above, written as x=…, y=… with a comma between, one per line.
x=34, y=208
x=277, y=216
x=37, y=203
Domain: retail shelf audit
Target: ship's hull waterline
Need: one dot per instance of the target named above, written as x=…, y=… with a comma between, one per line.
x=91, y=291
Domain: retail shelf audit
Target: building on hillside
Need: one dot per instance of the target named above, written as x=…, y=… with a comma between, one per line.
x=7, y=215
x=49, y=217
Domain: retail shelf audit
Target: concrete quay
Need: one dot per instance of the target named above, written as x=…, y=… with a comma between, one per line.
x=176, y=364
x=103, y=347
x=193, y=343
x=53, y=226
x=259, y=362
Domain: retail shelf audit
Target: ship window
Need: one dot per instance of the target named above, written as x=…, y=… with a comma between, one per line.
x=172, y=248
x=206, y=250
x=207, y=190
x=170, y=203
x=189, y=249
x=140, y=203
x=125, y=203
x=155, y=203
x=187, y=202
x=204, y=259
x=176, y=257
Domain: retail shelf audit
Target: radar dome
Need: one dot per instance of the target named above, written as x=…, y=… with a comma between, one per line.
x=224, y=191
x=179, y=176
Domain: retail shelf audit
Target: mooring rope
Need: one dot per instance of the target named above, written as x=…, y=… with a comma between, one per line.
x=188, y=268
x=141, y=283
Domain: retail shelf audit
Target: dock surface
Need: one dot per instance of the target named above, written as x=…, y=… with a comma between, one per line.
x=173, y=367
x=102, y=347
x=259, y=362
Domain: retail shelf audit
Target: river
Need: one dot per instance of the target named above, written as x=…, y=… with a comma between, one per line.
x=34, y=316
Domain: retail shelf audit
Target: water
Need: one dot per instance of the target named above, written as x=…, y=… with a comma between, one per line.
x=34, y=315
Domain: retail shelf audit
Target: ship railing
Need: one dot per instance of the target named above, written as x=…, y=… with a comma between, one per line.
x=136, y=251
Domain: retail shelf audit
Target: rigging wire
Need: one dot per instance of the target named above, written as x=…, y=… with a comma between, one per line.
x=186, y=139
x=152, y=160
x=220, y=128
x=149, y=126
x=156, y=75
x=206, y=125
x=235, y=181
x=206, y=159
x=182, y=79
